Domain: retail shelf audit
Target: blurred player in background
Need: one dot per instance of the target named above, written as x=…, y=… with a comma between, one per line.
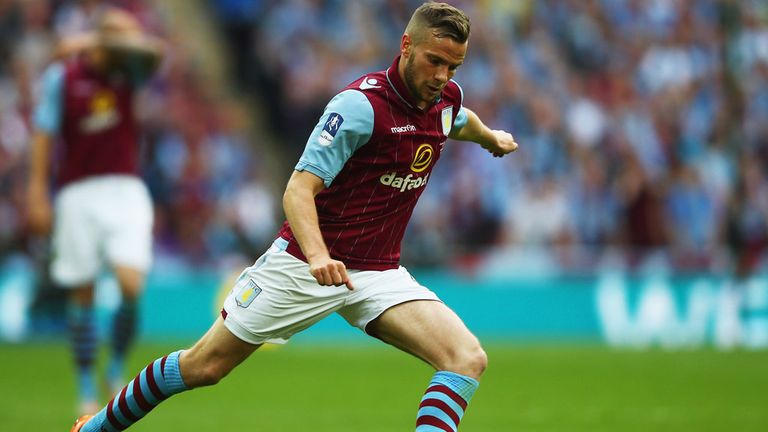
x=102, y=213
x=347, y=205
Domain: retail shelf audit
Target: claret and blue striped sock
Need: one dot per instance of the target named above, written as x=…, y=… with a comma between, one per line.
x=82, y=331
x=123, y=336
x=156, y=383
x=444, y=402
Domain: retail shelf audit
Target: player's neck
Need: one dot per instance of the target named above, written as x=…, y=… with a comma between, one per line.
x=418, y=103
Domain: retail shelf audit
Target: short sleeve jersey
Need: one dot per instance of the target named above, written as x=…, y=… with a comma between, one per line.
x=93, y=117
x=375, y=150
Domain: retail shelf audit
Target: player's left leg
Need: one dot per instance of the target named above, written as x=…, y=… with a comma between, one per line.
x=124, y=323
x=432, y=332
x=213, y=356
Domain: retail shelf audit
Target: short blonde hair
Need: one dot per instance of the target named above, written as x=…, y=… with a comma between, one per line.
x=443, y=19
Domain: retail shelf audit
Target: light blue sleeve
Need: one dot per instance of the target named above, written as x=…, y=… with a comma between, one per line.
x=461, y=117
x=346, y=124
x=48, y=112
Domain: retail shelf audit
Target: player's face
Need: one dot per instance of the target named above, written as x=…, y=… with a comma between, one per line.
x=430, y=65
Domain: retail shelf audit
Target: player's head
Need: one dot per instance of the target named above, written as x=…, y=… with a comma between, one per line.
x=433, y=46
x=121, y=46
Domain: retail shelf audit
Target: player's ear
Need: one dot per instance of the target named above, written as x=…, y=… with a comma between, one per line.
x=406, y=44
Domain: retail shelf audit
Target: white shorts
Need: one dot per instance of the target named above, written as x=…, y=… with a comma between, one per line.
x=277, y=297
x=104, y=220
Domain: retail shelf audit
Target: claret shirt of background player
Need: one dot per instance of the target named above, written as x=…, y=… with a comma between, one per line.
x=375, y=150
x=92, y=115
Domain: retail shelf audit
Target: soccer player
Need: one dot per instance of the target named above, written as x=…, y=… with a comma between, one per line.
x=103, y=213
x=347, y=205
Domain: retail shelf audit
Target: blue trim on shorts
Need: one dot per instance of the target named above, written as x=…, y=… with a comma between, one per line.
x=281, y=244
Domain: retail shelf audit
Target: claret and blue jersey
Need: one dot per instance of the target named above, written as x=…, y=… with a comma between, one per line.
x=92, y=115
x=374, y=150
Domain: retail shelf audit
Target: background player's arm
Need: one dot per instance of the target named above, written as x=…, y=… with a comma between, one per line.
x=497, y=142
x=38, y=198
x=46, y=119
x=300, y=210
x=130, y=49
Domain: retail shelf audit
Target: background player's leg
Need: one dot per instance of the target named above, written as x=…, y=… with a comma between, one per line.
x=75, y=264
x=432, y=332
x=84, y=340
x=124, y=323
x=207, y=362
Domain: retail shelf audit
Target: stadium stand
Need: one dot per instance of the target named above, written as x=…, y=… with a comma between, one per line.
x=642, y=124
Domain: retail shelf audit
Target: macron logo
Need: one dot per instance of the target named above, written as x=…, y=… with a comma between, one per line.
x=369, y=83
x=401, y=129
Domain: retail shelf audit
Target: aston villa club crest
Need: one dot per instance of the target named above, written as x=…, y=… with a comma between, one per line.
x=247, y=294
x=447, y=119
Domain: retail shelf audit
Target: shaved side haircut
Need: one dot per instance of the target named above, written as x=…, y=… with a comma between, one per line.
x=440, y=20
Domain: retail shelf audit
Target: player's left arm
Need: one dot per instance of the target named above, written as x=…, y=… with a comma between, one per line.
x=497, y=142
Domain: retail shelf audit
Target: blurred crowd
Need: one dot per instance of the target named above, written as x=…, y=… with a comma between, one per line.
x=211, y=202
x=643, y=126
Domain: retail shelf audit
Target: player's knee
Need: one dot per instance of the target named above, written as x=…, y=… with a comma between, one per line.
x=210, y=375
x=131, y=282
x=470, y=361
x=197, y=371
x=475, y=362
x=203, y=375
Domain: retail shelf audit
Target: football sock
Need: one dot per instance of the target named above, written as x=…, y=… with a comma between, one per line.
x=123, y=335
x=84, y=341
x=156, y=383
x=444, y=402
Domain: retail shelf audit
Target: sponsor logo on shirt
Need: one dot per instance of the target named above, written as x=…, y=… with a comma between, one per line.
x=421, y=161
x=403, y=183
x=330, y=129
x=401, y=129
x=369, y=83
x=103, y=113
x=422, y=158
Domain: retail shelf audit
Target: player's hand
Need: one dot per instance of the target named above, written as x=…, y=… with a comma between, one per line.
x=502, y=143
x=328, y=271
x=39, y=214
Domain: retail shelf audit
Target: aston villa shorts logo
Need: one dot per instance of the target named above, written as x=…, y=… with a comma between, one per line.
x=330, y=129
x=247, y=294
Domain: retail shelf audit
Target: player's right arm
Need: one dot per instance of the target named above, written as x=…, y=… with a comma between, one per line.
x=300, y=210
x=39, y=214
x=345, y=126
x=47, y=119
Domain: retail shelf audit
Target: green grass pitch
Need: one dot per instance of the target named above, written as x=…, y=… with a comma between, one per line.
x=374, y=388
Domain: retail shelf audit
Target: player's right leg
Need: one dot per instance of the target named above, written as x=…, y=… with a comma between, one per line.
x=206, y=363
x=74, y=266
x=84, y=343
